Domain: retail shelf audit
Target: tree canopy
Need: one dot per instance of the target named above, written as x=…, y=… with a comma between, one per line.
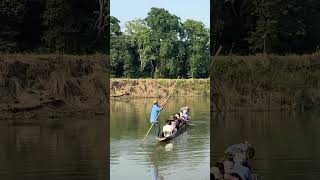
x=272, y=26
x=159, y=46
x=65, y=26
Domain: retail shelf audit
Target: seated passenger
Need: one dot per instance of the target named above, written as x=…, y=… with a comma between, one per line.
x=180, y=120
x=172, y=118
x=217, y=170
x=241, y=153
x=177, y=123
x=185, y=108
x=185, y=115
x=177, y=116
x=167, y=129
x=174, y=125
x=235, y=176
x=242, y=172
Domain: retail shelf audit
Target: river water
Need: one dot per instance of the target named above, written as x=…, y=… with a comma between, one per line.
x=186, y=157
x=53, y=149
x=287, y=143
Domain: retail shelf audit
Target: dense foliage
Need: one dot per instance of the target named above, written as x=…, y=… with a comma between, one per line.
x=159, y=46
x=271, y=26
x=65, y=26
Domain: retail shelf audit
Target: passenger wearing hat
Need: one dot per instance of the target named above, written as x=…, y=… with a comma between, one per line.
x=156, y=108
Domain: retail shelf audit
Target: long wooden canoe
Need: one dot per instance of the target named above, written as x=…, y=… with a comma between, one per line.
x=181, y=130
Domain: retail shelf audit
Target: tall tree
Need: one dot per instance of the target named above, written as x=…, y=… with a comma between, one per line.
x=12, y=13
x=232, y=21
x=280, y=26
x=120, y=54
x=197, y=38
x=162, y=41
x=138, y=33
x=312, y=13
x=107, y=26
x=284, y=26
x=157, y=47
x=70, y=26
x=124, y=61
x=58, y=20
x=115, y=26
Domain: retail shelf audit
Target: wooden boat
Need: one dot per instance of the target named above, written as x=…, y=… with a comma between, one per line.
x=179, y=131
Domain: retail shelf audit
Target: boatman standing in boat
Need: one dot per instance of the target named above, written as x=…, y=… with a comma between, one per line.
x=156, y=108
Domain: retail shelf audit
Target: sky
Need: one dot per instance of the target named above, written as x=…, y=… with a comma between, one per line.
x=127, y=10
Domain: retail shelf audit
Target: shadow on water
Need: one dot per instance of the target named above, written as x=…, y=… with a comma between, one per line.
x=286, y=143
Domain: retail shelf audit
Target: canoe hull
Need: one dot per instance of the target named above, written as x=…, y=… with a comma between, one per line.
x=180, y=131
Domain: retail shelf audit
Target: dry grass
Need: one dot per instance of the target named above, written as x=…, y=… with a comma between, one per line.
x=145, y=88
x=266, y=83
x=29, y=80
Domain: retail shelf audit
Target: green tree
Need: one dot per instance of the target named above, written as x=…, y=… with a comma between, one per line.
x=71, y=26
x=12, y=13
x=107, y=26
x=197, y=39
x=311, y=10
x=57, y=18
x=231, y=22
x=115, y=26
x=162, y=42
x=119, y=54
x=280, y=25
x=124, y=61
x=159, y=46
x=138, y=33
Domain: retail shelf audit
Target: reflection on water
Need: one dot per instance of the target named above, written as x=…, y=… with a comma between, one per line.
x=169, y=147
x=185, y=157
x=53, y=149
x=287, y=143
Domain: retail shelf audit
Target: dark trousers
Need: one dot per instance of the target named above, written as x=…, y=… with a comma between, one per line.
x=156, y=127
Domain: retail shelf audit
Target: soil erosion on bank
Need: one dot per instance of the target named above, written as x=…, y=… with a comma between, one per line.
x=149, y=88
x=52, y=85
x=270, y=82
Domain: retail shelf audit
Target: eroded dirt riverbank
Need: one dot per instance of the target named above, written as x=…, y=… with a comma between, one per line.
x=151, y=88
x=52, y=85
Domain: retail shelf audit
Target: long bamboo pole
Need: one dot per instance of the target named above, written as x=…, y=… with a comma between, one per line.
x=161, y=109
x=217, y=53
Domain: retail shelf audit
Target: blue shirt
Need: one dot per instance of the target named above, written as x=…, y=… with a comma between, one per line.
x=154, y=113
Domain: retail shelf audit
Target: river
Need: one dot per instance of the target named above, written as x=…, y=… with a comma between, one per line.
x=287, y=143
x=185, y=157
x=50, y=149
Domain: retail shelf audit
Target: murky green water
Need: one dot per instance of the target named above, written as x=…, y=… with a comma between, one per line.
x=53, y=149
x=287, y=143
x=186, y=157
